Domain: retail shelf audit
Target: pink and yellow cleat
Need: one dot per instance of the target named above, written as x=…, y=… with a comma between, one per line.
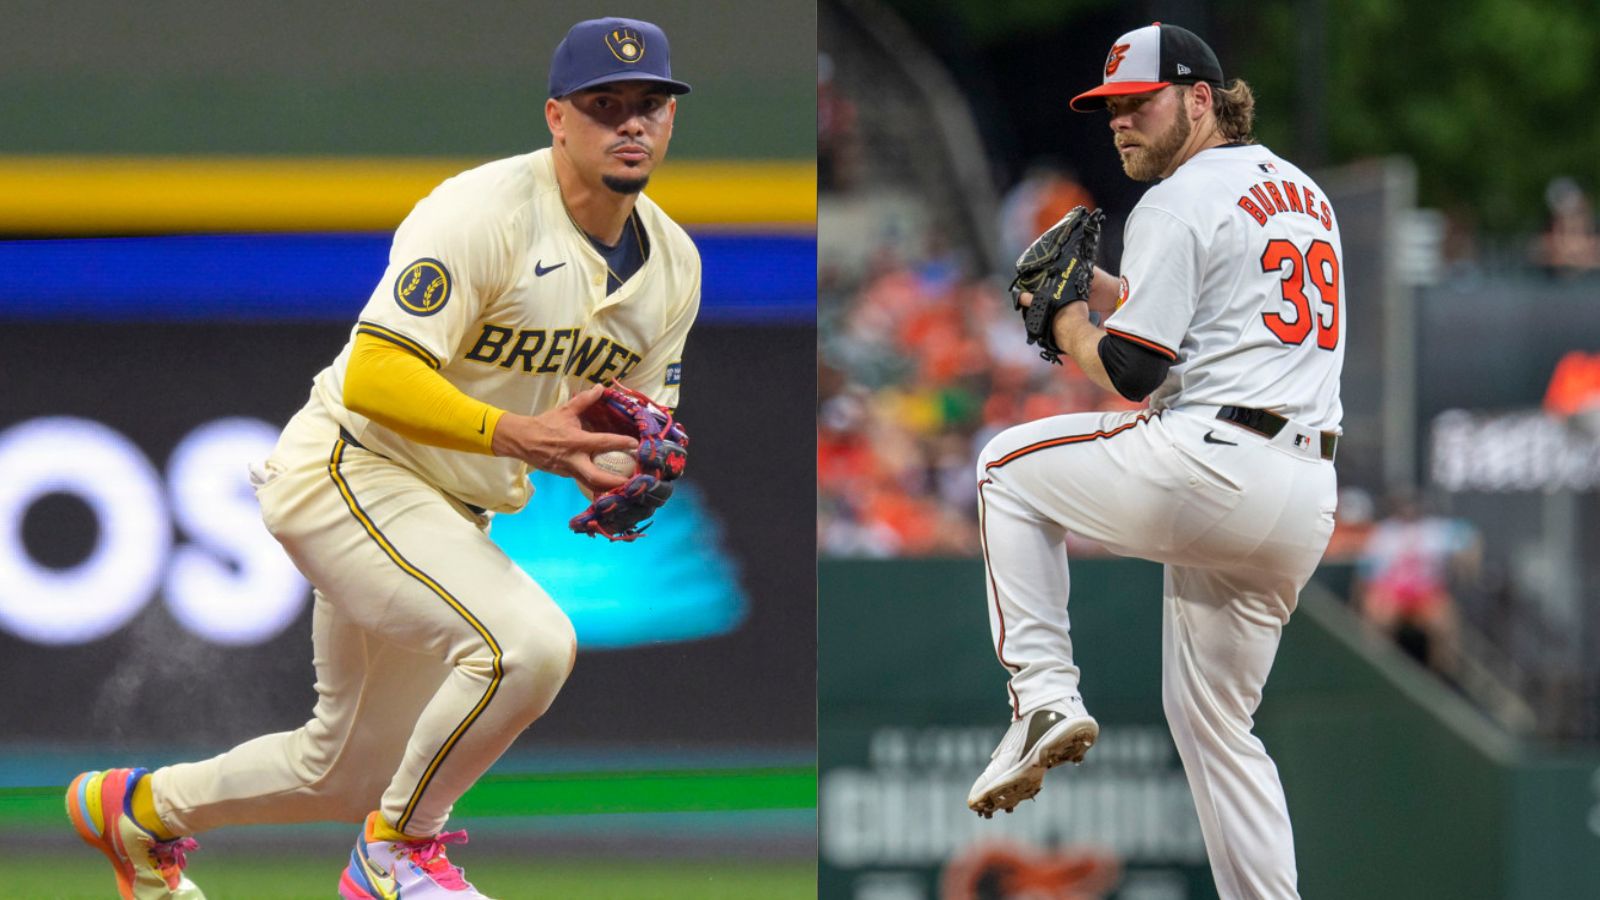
x=100, y=807
x=382, y=869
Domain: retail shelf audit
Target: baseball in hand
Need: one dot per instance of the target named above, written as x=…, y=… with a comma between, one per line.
x=617, y=462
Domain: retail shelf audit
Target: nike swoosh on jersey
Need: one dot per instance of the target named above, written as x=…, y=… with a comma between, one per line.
x=1210, y=439
x=484, y=421
x=540, y=270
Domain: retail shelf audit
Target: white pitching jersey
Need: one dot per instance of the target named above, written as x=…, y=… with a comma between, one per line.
x=492, y=283
x=1233, y=268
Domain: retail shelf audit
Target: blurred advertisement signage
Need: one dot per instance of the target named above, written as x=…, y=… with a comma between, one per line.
x=192, y=536
x=897, y=820
x=221, y=575
x=141, y=597
x=1523, y=450
x=909, y=720
x=215, y=339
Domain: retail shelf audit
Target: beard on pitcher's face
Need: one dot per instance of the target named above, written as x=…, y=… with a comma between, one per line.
x=1145, y=159
x=1155, y=130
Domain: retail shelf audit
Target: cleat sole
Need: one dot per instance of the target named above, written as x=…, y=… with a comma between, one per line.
x=350, y=889
x=1071, y=746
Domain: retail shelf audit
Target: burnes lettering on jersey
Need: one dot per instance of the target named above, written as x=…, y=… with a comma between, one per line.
x=1269, y=198
x=542, y=351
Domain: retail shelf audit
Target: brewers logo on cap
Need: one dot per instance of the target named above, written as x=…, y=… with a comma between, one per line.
x=625, y=44
x=601, y=51
x=423, y=287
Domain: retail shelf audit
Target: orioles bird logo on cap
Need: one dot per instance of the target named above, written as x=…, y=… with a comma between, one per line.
x=625, y=44
x=1114, y=58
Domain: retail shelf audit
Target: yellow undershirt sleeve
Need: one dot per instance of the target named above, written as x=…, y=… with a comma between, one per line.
x=394, y=387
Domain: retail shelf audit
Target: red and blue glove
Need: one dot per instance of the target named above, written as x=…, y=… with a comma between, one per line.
x=663, y=452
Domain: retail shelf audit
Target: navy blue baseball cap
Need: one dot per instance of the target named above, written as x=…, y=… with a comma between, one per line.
x=600, y=51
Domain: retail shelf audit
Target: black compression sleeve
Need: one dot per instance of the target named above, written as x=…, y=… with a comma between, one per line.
x=1134, y=370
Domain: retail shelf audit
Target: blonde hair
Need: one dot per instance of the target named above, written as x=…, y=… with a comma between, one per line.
x=1235, y=108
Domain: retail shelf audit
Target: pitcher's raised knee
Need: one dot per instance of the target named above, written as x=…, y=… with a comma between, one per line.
x=1004, y=444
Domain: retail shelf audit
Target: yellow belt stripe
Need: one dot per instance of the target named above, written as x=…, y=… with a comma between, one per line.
x=98, y=195
x=414, y=572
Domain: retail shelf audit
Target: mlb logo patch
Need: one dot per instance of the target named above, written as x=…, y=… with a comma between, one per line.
x=675, y=372
x=1302, y=441
x=1267, y=168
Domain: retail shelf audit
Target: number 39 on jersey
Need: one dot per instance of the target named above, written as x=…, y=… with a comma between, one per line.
x=1297, y=316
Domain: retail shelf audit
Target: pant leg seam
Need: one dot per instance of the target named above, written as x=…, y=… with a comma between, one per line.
x=434, y=765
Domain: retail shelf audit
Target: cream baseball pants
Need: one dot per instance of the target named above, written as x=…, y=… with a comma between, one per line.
x=433, y=650
x=1239, y=521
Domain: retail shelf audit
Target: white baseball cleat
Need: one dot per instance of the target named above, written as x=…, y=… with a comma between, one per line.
x=404, y=870
x=1045, y=738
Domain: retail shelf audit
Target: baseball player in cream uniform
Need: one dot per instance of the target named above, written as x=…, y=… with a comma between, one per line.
x=1228, y=317
x=513, y=292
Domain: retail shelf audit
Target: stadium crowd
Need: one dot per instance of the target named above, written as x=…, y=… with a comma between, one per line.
x=919, y=365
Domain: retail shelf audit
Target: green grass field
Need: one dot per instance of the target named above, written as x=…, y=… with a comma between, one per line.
x=233, y=876
x=630, y=816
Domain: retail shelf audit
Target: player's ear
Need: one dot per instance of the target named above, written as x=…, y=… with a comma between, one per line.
x=554, y=118
x=1200, y=98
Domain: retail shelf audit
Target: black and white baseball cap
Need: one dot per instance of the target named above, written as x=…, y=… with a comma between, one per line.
x=1150, y=58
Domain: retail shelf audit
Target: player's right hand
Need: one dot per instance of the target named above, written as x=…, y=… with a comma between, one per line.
x=557, y=442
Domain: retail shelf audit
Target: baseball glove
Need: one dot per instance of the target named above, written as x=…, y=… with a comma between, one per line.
x=662, y=454
x=1056, y=269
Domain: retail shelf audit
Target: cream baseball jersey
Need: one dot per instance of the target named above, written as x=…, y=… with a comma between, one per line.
x=491, y=283
x=1233, y=269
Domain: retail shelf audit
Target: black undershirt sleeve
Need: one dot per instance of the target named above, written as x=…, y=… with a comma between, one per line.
x=1134, y=370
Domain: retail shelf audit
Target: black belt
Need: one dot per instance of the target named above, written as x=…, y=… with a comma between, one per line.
x=1269, y=424
x=351, y=440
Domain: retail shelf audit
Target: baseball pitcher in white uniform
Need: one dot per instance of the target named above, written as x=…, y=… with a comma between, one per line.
x=514, y=291
x=1228, y=316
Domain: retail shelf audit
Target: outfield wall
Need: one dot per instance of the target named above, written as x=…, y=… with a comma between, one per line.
x=409, y=78
x=1397, y=787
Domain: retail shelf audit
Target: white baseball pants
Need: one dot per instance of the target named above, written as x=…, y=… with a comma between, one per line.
x=1240, y=526
x=433, y=651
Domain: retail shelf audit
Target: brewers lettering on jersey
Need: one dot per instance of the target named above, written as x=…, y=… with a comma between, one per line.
x=1228, y=317
x=514, y=292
